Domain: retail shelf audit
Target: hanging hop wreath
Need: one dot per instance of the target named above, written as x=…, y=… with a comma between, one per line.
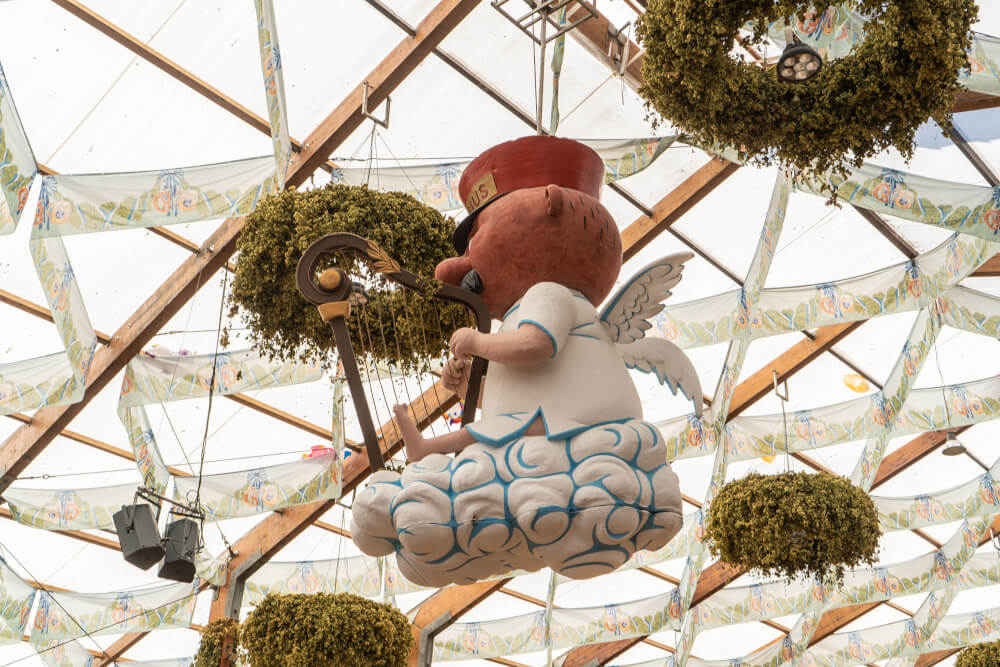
x=210, y=649
x=794, y=524
x=395, y=326
x=326, y=630
x=903, y=72
x=980, y=655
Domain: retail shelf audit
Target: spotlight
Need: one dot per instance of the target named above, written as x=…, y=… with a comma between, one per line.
x=180, y=544
x=953, y=446
x=798, y=62
x=138, y=535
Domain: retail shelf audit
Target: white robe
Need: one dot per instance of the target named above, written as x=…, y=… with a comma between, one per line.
x=584, y=383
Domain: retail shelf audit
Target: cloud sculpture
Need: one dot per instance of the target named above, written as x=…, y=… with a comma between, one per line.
x=580, y=506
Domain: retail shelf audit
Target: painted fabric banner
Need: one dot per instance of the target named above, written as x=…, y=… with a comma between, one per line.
x=274, y=87
x=359, y=575
x=17, y=162
x=437, y=184
x=33, y=383
x=71, y=204
x=63, y=653
x=899, y=288
x=162, y=379
x=138, y=610
x=16, y=599
x=69, y=509
x=249, y=492
x=970, y=209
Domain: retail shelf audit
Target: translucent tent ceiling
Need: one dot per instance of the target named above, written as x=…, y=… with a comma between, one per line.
x=185, y=92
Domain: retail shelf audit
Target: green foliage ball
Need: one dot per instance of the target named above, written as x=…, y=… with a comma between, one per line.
x=326, y=630
x=396, y=326
x=902, y=73
x=794, y=524
x=980, y=655
x=210, y=650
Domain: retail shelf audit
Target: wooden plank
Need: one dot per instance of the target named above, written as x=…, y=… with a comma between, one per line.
x=451, y=603
x=164, y=64
x=968, y=100
x=80, y=535
x=270, y=535
x=29, y=440
x=403, y=59
x=666, y=212
x=910, y=453
x=787, y=364
x=989, y=269
x=934, y=657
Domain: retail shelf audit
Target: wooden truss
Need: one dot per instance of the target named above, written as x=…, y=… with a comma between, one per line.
x=269, y=536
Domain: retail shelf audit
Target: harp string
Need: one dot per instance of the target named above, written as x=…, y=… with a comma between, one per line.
x=418, y=371
x=378, y=376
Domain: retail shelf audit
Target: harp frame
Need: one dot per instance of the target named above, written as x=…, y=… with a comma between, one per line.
x=333, y=297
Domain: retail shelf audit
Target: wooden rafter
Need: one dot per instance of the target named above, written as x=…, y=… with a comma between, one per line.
x=718, y=575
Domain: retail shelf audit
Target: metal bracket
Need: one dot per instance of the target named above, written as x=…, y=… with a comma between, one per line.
x=367, y=114
x=618, y=45
x=237, y=584
x=541, y=10
x=774, y=380
x=426, y=650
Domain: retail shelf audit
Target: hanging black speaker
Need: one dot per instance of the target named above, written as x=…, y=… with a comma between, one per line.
x=138, y=535
x=180, y=544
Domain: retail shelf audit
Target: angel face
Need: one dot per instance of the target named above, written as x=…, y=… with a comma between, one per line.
x=541, y=234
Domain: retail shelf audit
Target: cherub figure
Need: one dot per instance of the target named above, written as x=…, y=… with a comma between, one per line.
x=559, y=469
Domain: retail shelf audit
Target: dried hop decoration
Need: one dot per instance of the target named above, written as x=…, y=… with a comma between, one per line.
x=902, y=72
x=326, y=630
x=395, y=326
x=212, y=638
x=980, y=655
x=794, y=524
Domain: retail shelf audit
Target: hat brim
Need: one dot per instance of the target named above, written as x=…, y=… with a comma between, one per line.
x=460, y=239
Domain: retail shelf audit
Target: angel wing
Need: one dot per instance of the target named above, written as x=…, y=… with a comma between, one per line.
x=627, y=315
x=668, y=363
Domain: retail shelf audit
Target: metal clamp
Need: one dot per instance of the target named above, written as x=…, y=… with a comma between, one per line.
x=774, y=380
x=541, y=10
x=367, y=114
x=618, y=46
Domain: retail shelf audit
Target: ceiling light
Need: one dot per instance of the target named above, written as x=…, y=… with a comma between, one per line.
x=953, y=446
x=798, y=62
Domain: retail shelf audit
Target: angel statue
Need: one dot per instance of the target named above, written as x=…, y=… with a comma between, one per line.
x=559, y=470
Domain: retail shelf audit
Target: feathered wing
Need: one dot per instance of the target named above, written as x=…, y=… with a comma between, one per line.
x=627, y=314
x=668, y=363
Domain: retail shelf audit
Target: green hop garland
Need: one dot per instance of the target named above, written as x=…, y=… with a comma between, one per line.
x=903, y=72
x=793, y=524
x=980, y=655
x=210, y=649
x=326, y=630
x=396, y=326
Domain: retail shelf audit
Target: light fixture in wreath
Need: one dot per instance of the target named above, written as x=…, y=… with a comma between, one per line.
x=902, y=73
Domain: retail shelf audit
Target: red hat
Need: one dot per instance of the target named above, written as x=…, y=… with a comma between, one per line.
x=527, y=162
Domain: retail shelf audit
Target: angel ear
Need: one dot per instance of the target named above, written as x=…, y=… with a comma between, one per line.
x=554, y=197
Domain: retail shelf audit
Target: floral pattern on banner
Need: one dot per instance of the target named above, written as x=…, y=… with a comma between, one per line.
x=16, y=599
x=71, y=615
x=249, y=492
x=102, y=202
x=274, y=86
x=359, y=575
x=970, y=209
x=32, y=383
x=69, y=509
x=437, y=184
x=17, y=163
x=161, y=379
x=62, y=653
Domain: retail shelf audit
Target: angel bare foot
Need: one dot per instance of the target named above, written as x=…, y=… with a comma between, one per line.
x=417, y=446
